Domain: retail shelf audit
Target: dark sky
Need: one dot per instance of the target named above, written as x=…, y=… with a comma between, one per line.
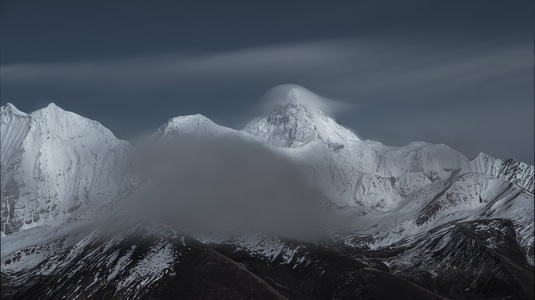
x=452, y=72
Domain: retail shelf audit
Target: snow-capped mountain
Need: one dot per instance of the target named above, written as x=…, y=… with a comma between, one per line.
x=354, y=172
x=418, y=186
x=56, y=162
x=198, y=125
x=416, y=217
x=296, y=121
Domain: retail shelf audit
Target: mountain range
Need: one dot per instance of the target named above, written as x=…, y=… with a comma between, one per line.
x=293, y=206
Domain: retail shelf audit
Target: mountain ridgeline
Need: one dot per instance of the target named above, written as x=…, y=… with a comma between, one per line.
x=293, y=206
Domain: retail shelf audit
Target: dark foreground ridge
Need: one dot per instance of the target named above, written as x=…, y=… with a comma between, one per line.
x=143, y=260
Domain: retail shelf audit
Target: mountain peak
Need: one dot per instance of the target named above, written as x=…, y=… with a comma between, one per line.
x=295, y=95
x=190, y=121
x=52, y=109
x=10, y=108
x=190, y=125
x=196, y=118
x=296, y=118
x=483, y=155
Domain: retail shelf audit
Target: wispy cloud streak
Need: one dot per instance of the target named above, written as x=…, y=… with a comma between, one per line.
x=391, y=79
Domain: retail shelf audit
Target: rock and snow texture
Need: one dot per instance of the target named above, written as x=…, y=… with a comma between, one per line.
x=15, y=125
x=478, y=259
x=54, y=163
x=127, y=259
x=511, y=170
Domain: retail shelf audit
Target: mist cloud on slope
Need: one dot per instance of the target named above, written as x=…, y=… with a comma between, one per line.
x=214, y=185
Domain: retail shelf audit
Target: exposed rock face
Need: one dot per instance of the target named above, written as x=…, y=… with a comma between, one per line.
x=477, y=259
x=134, y=261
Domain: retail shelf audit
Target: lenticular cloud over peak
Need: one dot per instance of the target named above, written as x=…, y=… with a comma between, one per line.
x=297, y=94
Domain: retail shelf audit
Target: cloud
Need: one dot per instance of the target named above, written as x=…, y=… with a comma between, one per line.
x=153, y=72
x=350, y=69
x=225, y=184
x=416, y=68
x=384, y=78
x=296, y=94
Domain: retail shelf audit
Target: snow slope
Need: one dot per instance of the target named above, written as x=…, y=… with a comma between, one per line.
x=513, y=171
x=54, y=163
